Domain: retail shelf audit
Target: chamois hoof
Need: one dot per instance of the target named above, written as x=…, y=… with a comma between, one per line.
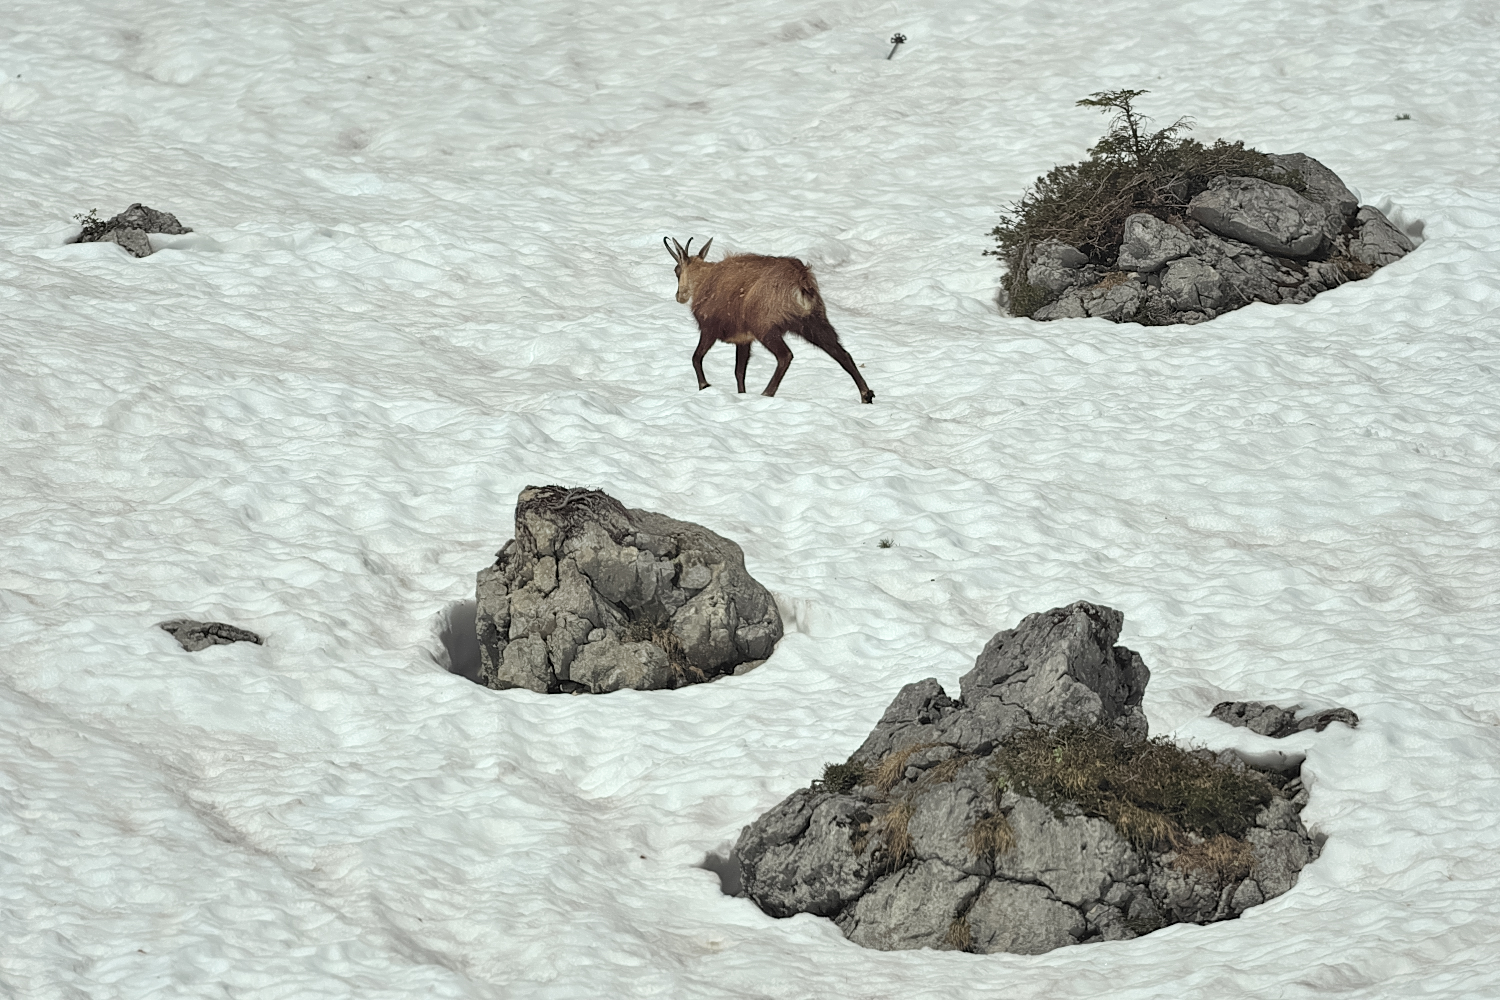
x=703, y=385
x=867, y=396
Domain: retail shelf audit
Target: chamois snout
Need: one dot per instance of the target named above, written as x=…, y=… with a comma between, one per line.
x=746, y=298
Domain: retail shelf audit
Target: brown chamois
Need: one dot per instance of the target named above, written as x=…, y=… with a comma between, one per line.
x=746, y=298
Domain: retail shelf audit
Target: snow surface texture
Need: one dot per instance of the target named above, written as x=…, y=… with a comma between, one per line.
x=427, y=271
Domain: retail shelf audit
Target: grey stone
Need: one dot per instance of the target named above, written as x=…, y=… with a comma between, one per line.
x=592, y=597
x=1376, y=242
x=1190, y=284
x=1271, y=217
x=194, y=635
x=1062, y=666
x=1278, y=722
x=1323, y=187
x=800, y=856
x=132, y=241
x=933, y=849
x=1022, y=918
x=915, y=907
x=1057, y=267
x=1150, y=243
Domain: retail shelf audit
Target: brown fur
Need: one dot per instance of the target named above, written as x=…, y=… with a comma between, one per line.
x=747, y=298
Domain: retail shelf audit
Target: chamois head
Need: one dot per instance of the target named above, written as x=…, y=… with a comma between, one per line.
x=687, y=262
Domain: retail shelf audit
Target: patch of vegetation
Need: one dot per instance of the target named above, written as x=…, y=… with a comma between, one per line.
x=1129, y=170
x=1153, y=791
x=892, y=829
x=886, y=543
x=93, y=226
x=660, y=635
x=1221, y=857
x=841, y=777
x=958, y=936
x=892, y=767
x=991, y=837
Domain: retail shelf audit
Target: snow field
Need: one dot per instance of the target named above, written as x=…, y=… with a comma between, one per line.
x=427, y=272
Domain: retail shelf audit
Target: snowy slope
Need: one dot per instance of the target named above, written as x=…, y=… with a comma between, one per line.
x=427, y=271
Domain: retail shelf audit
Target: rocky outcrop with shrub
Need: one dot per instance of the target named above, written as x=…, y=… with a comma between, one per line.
x=128, y=229
x=1156, y=229
x=590, y=597
x=1030, y=813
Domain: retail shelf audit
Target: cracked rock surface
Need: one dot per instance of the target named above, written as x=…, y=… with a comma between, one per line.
x=591, y=597
x=1243, y=240
x=901, y=860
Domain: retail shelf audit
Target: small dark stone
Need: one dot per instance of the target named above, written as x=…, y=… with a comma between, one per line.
x=1278, y=722
x=200, y=635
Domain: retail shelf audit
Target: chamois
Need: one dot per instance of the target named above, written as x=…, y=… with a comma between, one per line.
x=746, y=298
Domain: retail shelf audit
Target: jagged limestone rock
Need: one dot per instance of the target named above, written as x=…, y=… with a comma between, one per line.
x=931, y=849
x=592, y=597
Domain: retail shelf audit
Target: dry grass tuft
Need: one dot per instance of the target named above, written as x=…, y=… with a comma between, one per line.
x=991, y=837
x=959, y=937
x=891, y=826
x=662, y=637
x=1153, y=791
x=1224, y=858
x=892, y=768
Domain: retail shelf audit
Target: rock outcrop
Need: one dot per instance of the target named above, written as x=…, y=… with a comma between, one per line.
x=129, y=229
x=928, y=837
x=592, y=597
x=1278, y=722
x=193, y=635
x=1243, y=240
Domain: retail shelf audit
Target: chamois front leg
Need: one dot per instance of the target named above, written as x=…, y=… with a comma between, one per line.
x=777, y=346
x=741, y=363
x=705, y=341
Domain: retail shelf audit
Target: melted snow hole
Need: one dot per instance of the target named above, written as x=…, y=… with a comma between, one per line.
x=460, y=645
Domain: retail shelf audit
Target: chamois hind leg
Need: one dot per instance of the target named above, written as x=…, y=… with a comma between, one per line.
x=705, y=341
x=777, y=346
x=837, y=352
x=741, y=363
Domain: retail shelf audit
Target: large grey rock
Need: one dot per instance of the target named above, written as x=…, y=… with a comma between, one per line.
x=930, y=851
x=129, y=229
x=592, y=597
x=1271, y=217
x=1191, y=284
x=1323, y=187
x=1057, y=267
x=1376, y=242
x=1149, y=243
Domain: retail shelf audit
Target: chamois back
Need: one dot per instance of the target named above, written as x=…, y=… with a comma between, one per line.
x=757, y=295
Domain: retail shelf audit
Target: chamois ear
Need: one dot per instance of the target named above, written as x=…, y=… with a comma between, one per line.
x=704, y=252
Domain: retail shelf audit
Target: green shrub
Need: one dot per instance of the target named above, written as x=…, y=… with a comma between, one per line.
x=1153, y=791
x=841, y=777
x=1129, y=170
